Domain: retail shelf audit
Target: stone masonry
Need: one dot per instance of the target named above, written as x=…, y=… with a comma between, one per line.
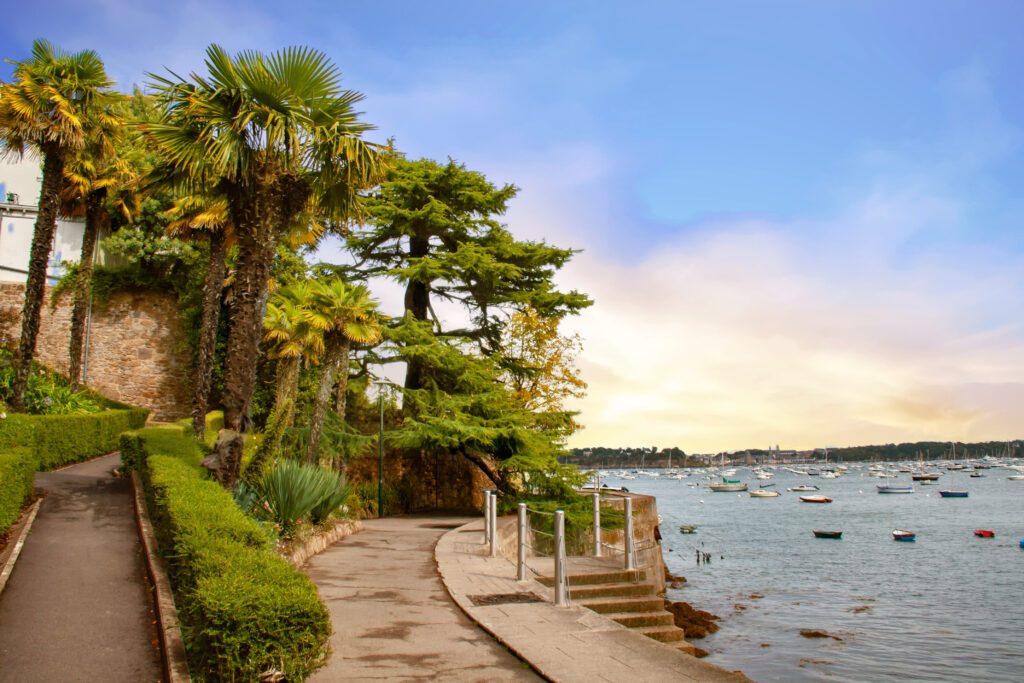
x=136, y=347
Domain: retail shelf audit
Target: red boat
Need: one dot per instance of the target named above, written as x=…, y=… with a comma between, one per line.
x=984, y=533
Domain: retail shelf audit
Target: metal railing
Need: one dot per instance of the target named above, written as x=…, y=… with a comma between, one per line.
x=534, y=542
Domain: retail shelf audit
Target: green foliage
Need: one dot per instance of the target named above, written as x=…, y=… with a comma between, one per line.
x=336, y=501
x=47, y=392
x=291, y=491
x=17, y=472
x=246, y=614
x=57, y=440
x=366, y=498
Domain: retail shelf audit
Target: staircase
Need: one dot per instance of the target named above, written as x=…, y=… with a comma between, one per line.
x=629, y=599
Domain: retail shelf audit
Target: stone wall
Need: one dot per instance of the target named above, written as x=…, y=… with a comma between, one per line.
x=136, y=350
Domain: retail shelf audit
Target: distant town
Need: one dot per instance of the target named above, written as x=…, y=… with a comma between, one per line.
x=600, y=456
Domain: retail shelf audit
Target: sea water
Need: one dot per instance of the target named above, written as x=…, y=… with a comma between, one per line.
x=948, y=607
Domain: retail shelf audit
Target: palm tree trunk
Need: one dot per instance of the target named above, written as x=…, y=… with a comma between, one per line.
x=280, y=418
x=35, y=285
x=207, y=344
x=341, y=392
x=83, y=285
x=328, y=370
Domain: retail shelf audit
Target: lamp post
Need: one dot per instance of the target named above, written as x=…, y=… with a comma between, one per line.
x=380, y=453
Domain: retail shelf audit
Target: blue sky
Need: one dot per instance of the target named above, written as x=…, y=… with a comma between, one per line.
x=808, y=213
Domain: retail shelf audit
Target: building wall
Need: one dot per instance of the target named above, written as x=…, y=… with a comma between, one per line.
x=136, y=348
x=19, y=198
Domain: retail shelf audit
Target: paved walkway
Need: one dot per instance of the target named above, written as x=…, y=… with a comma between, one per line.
x=571, y=644
x=393, y=619
x=76, y=607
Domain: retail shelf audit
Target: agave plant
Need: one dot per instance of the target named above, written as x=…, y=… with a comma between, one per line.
x=339, y=498
x=291, y=491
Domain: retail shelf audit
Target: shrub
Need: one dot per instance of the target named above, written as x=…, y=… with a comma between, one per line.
x=246, y=614
x=17, y=471
x=291, y=490
x=57, y=440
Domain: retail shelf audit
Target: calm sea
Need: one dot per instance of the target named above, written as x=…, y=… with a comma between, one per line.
x=949, y=607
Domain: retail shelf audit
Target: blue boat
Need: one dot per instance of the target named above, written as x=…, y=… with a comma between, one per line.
x=953, y=494
x=895, y=488
x=1022, y=543
x=903, y=535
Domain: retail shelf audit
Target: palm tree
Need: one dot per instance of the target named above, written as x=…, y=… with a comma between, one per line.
x=346, y=315
x=96, y=180
x=194, y=215
x=292, y=339
x=277, y=136
x=45, y=109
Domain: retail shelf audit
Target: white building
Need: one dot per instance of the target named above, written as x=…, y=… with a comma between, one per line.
x=20, y=182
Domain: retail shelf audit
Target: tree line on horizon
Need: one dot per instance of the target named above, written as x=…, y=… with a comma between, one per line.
x=601, y=456
x=218, y=187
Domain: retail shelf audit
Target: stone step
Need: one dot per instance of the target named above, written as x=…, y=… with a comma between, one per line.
x=664, y=634
x=686, y=647
x=642, y=619
x=611, y=590
x=617, y=605
x=591, y=578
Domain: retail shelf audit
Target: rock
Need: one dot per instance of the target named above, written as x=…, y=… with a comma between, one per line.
x=815, y=633
x=694, y=622
x=698, y=652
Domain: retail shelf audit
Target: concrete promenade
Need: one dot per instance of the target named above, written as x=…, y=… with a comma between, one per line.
x=563, y=643
x=393, y=619
x=76, y=607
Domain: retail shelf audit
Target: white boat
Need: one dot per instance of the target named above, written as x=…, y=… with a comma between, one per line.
x=802, y=488
x=764, y=493
x=724, y=488
x=895, y=488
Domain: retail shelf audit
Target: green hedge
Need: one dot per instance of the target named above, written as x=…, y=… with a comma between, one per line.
x=245, y=612
x=17, y=472
x=58, y=440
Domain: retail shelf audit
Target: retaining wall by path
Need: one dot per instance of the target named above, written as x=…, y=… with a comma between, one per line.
x=136, y=349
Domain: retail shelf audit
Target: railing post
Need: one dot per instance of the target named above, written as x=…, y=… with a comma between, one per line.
x=487, y=516
x=597, y=525
x=560, y=597
x=630, y=549
x=521, y=564
x=494, y=524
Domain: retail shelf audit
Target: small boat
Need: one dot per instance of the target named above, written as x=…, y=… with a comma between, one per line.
x=803, y=487
x=1016, y=477
x=975, y=475
x=768, y=486
x=725, y=488
x=984, y=533
x=687, y=528
x=815, y=499
x=1022, y=544
x=926, y=476
x=953, y=494
x=761, y=493
x=828, y=534
x=903, y=535
x=895, y=488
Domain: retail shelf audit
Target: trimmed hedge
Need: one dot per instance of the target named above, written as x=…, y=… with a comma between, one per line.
x=40, y=442
x=17, y=473
x=58, y=440
x=246, y=614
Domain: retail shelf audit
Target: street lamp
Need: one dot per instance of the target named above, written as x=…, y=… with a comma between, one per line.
x=380, y=452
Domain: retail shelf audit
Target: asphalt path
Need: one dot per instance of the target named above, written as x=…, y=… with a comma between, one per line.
x=76, y=607
x=393, y=619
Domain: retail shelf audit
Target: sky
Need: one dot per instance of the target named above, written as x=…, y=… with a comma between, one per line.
x=800, y=221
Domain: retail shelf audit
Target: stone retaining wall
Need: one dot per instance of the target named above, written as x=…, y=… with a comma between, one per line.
x=136, y=347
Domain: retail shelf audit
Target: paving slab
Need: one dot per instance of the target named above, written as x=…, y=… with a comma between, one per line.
x=76, y=606
x=393, y=619
x=571, y=644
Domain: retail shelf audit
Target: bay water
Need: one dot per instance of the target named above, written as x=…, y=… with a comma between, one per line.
x=948, y=607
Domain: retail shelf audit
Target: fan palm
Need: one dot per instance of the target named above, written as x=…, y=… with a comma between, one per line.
x=345, y=314
x=277, y=136
x=44, y=109
x=97, y=179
